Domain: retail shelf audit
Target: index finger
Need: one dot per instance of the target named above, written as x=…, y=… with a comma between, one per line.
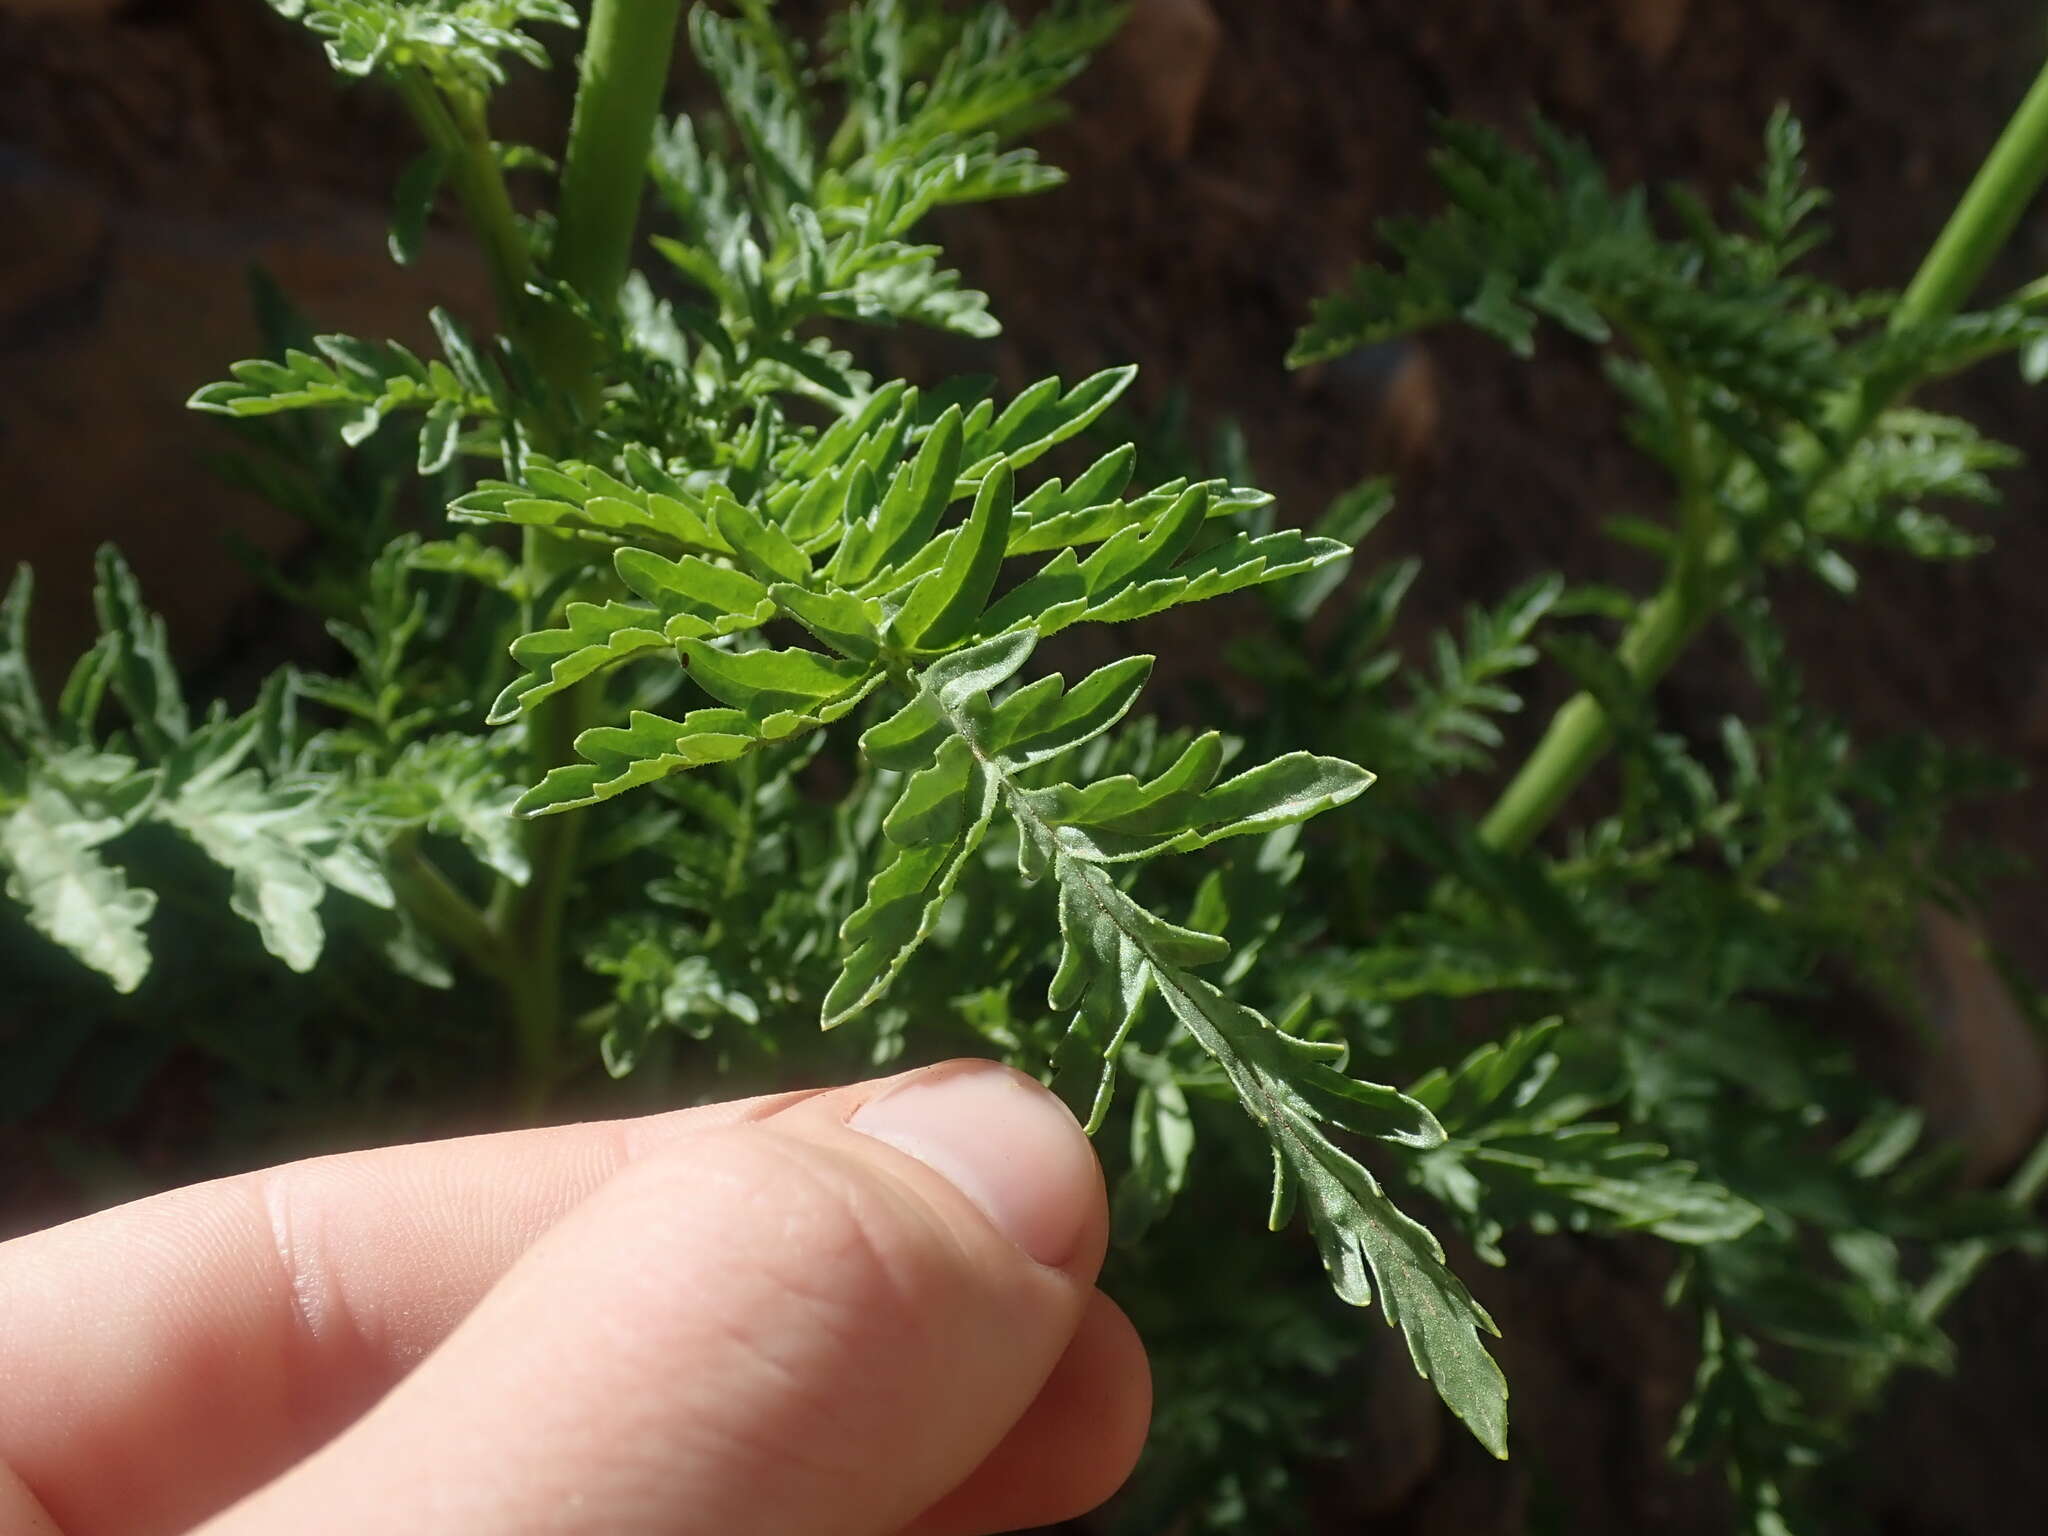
x=269, y=1309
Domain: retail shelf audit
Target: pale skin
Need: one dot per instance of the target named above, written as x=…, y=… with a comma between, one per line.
x=747, y=1318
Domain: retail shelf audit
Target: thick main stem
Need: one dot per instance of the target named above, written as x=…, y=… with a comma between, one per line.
x=1580, y=732
x=627, y=49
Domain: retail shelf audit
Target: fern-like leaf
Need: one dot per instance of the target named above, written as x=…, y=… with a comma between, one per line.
x=50, y=844
x=966, y=754
x=457, y=41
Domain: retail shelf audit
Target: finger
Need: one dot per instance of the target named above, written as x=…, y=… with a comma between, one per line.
x=402, y=1242
x=21, y=1512
x=804, y=1326
x=1075, y=1444
x=161, y=1359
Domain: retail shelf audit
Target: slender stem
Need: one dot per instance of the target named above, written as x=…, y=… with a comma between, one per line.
x=1960, y=1264
x=2031, y=297
x=846, y=142
x=627, y=50
x=625, y=65
x=448, y=915
x=534, y=994
x=1859, y=1384
x=1579, y=733
x=532, y=928
x=743, y=835
x=455, y=127
x=496, y=942
x=626, y=55
x=1986, y=216
x=1695, y=495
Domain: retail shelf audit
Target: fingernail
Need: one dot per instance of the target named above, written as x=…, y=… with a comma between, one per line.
x=1003, y=1142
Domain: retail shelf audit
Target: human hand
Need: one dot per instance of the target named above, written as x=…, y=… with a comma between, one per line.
x=862, y=1312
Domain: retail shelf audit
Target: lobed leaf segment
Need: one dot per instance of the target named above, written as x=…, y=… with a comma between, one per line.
x=228, y=784
x=1765, y=390
x=459, y=42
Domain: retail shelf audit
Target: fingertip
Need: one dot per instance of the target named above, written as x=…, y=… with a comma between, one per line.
x=1004, y=1142
x=1073, y=1448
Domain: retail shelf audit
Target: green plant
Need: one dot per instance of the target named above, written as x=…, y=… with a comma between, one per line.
x=885, y=814
x=1674, y=936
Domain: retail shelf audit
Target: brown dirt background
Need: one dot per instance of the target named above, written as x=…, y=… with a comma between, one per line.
x=1228, y=158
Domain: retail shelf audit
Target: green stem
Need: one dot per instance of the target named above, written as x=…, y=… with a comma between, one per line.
x=533, y=992
x=626, y=55
x=1982, y=222
x=1859, y=1384
x=1960, y=1264
x=1580, y=732
x=743, y=835
x=455, y=127
x=449, y=916
x=846, y=143
x=2032, y=297
x=1696, y=517
x=627, y=50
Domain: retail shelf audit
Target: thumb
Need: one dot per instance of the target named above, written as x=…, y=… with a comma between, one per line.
x=816, y=1324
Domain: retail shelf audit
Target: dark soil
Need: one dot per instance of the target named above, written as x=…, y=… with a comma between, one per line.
x=147, y=155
